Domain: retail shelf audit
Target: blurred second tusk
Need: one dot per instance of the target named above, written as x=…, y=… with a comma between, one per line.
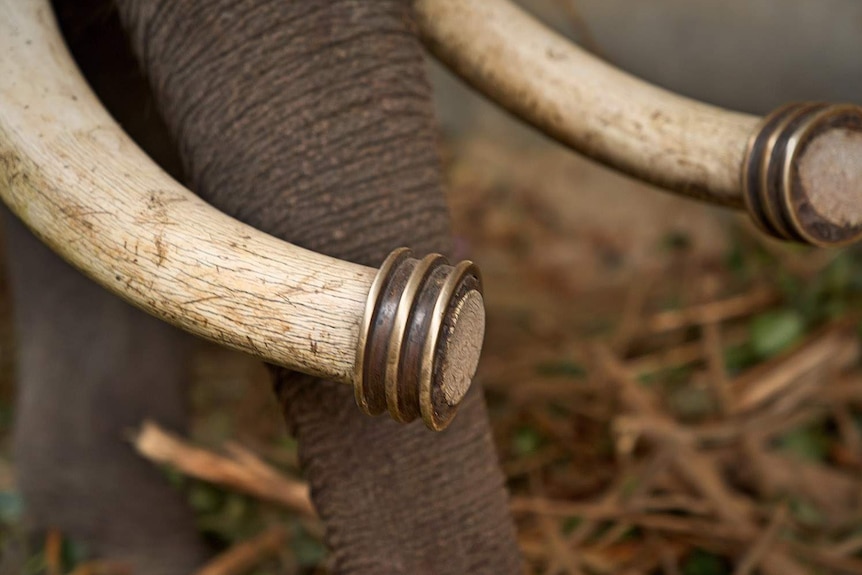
x=799, y=181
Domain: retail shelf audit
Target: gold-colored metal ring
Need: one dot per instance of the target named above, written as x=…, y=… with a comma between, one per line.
x=399, y=328
x=375, y=294
x=752, y=168
x=766, y=190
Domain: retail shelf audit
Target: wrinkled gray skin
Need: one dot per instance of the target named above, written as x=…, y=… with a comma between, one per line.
x=311, y=121
x=90, y=367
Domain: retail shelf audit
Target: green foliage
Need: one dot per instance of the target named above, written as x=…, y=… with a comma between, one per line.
x=807, y=443
x=228, y=518
x=526, y=441
x=309, y=551
x=830, y=294
x=777, y=331
x=700, y=562
x=739, y=357
x=691, y=402
x=5, y=417
x=570, y=524
x=205, y=498
x=561, y=368
x=736, y=260
x=231, y=518
x=74, y=553
x=35, y=565
x=807, y=302
x=805, y=513
x=676, y=241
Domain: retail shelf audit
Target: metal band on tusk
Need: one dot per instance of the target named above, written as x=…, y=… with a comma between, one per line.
x=802, y=174
x=420, y=339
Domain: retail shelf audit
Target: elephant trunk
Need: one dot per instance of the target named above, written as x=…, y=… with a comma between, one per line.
x=313, y=121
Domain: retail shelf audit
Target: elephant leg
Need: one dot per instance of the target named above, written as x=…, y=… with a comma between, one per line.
x=91, y=368
x=313, y=122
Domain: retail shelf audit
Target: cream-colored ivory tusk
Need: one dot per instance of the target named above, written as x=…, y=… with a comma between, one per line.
x=798, y=173
x=606, y=114
x=78, y=181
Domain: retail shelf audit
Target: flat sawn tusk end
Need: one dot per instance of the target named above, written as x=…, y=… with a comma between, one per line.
x=420, y=339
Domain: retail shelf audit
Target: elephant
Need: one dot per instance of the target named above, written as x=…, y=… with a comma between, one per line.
x=313, y=122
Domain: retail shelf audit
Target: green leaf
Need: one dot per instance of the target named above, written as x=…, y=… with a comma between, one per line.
x=774, y=332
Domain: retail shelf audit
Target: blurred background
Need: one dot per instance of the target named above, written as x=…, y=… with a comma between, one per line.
x=671, y=392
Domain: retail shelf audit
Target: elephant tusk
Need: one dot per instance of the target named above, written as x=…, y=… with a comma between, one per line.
x=70, y=173
x=800, y=181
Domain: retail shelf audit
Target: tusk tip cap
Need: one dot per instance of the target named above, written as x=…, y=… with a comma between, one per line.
x=421, y=338
x=802, y=174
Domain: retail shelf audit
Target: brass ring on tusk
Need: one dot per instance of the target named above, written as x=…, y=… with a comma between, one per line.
x=802, y=174
x=420, y=339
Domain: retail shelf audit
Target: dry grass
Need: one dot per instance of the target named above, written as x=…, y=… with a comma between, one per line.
x=694, y=410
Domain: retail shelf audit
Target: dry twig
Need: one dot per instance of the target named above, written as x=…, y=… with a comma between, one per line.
x=53, y=552
x=244, y=472
x=761, y=547
x=831, y=349
x=244, y=556
x=711, y=312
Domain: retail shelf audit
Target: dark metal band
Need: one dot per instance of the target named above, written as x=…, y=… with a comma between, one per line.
x=774, y=193
x=410, y=314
